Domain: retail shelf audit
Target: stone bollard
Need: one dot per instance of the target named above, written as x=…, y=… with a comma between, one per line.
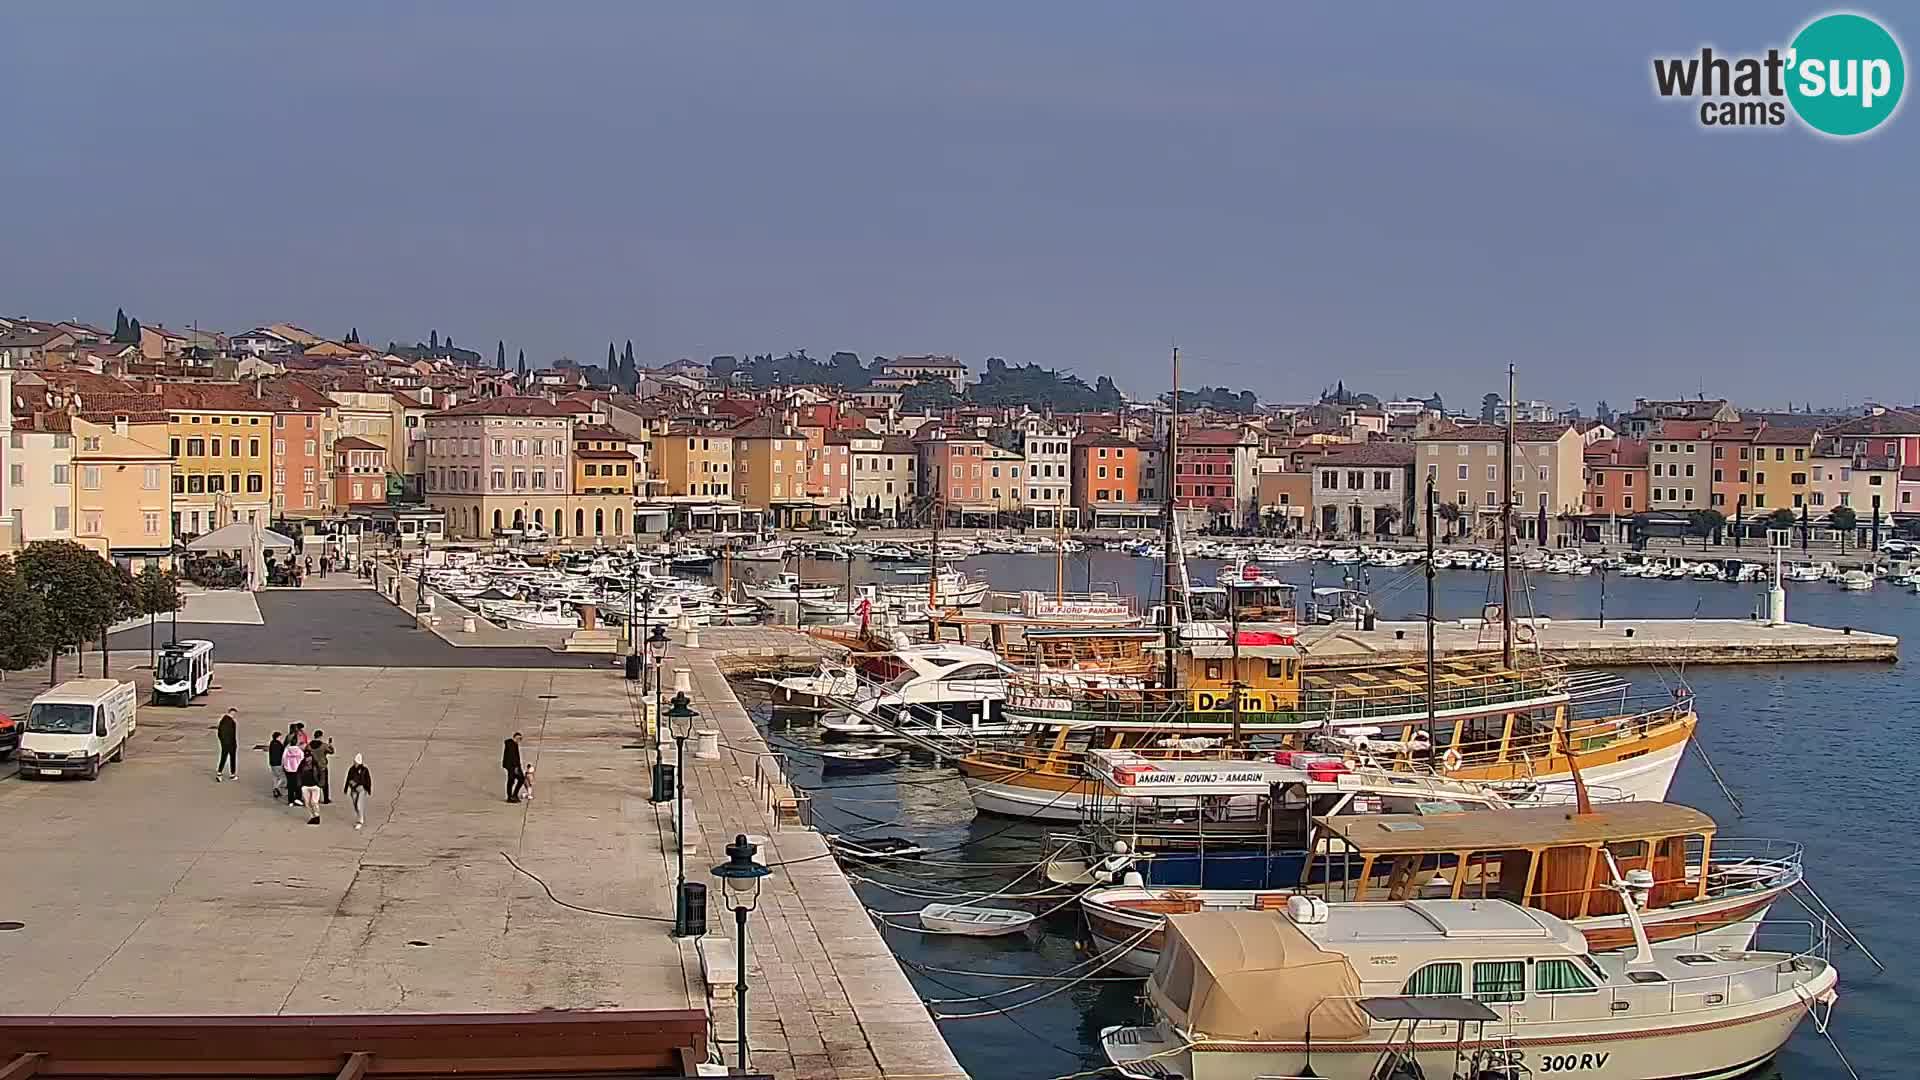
x=682, y=680
x=469, y=625
x=706, y=745
x=693, y=637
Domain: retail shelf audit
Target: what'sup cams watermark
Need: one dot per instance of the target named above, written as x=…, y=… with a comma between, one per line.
x=1842, y=76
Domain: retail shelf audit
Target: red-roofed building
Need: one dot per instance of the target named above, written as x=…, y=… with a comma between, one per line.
x=1617, y=487
x=359, y=473
x=1216, y=474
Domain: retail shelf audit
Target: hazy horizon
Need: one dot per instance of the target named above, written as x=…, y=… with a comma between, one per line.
x=1295, y=195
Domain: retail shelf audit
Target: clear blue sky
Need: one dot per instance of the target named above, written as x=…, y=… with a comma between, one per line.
x=1404, y=196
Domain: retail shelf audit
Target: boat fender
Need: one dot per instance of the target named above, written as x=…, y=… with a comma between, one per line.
x=1306, y=910
x=1451, y=759
x=1132, y=879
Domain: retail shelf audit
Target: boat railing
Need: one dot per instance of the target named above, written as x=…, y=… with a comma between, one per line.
x=1738, y=864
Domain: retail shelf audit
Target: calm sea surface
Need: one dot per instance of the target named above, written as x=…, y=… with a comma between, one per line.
x=1815, y=752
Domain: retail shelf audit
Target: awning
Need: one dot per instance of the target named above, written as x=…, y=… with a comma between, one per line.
x=239, y=537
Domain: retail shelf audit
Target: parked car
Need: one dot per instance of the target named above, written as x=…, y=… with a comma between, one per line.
x=9, y=736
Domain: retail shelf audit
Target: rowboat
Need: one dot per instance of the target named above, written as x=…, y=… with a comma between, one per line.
x=973, y=920
x=865, y=758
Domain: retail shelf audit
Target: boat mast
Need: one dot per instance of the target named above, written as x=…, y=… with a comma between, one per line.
x=1059, y=557
x=933, y=553
x=1506, y=532
x=1430, y=625
x=1166, y=523
x=1233, y=625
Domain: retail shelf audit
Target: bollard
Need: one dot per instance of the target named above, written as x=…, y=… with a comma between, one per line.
x=469, y=625
x=1629, y=631
x=693, y=637
x=706, y=745
x=682, y=680
x=1399, y=635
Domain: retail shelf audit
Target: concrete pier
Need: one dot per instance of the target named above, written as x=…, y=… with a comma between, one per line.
x=1621, y=642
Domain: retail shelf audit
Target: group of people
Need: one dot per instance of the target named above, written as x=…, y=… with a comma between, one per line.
x=298, y=766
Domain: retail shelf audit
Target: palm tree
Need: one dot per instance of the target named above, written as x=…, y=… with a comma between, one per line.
x=1449, y=513
x=1843, y=519
x=1385, y=518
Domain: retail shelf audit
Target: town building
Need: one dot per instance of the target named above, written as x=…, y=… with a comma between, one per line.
x=916, y=368
x=499, y=463
x=1106, y=483
x=1215, y=474
x=1286, y=496
x=220, y=438
x=1617, y=484
x=1046, y=444
x=1681, y=459
x=1365, y=491
x=359, y=475
x=770, y=472
x=1549, y=481
x=885, y=475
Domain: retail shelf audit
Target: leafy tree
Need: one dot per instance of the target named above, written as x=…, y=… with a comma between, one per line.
x=156, y=592
x=500, y=355
x=1490, y=408
x=1843, y=518
x=125, y=604
x=1706, y=523
x=722, y=367
x=24, y=614
x=928, y=394
x=1384, y=520
x=1449, y=513
x=1783, y=518
x=77, y=588
x=1106, y=396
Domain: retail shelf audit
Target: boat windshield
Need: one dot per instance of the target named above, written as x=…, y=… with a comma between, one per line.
x=899, y=682
x=51, y=718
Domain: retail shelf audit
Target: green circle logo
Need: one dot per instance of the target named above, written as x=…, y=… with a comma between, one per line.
x=1846, y=76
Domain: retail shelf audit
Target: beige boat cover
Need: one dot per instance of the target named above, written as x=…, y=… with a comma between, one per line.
x=1252, y=976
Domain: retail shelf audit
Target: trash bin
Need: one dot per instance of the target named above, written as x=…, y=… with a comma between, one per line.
x=664, y=781
x=633, y=667
x=1366, y=622
x=691, y=917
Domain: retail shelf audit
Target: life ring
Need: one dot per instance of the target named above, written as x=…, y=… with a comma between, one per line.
x=1451, y=759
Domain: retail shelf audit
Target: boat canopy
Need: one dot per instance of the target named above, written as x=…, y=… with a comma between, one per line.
x=1251, y=975
x=1528, y=827
x=1450, y=1009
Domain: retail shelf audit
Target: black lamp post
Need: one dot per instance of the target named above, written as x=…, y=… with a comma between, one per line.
x=680, y=721
x=741, y=875
x=420, y=584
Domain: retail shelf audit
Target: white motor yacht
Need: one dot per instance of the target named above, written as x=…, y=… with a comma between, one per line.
x=941, y=688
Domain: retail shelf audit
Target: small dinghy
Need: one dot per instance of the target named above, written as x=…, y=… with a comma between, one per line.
x=847, y=726
x=870, y=848
x=864, y=758
x=973, y=920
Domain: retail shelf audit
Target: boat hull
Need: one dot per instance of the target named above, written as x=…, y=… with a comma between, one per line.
x=1723, y=923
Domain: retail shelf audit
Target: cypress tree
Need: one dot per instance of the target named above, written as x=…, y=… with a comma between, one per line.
x=500, y=355
x=523, y=367
x=433, y=340
x=119, y=324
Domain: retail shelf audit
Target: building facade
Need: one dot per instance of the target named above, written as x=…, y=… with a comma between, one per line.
x=220, y=436
x=1549, y=479
x=499, y=463
x=1365, y=491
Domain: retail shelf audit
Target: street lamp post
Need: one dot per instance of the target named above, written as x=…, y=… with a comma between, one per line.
x=420, y=583
x=680, y=720
x=741, y=875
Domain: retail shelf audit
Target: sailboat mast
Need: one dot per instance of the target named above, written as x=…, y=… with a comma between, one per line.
x=1431, y=692
x=1506, y=531
x=1166, y=520
x=933, y=553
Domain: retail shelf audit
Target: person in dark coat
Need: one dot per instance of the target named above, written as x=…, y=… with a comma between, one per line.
x=359, y=786
x=319, y=749
x=516, y=773
x=310, y=789
x=276, y=752
x=229, y=733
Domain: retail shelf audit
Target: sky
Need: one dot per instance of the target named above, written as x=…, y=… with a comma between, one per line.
x=1404, y=197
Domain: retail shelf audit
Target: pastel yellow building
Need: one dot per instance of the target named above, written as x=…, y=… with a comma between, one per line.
x=695, y=462
x=123, y=486
x=220, y=438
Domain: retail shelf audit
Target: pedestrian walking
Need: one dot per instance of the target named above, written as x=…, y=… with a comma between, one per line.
x=310, y=789
x=510, y=761
x=319, y=749
x=228, y=731
x=359, y=788
x=292, y=757
x=276, y=751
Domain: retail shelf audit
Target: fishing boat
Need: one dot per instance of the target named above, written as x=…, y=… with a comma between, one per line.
x=1708, y=892
x=765, y=551
x=553, y=615
x=1472, y=988
x=789, y=586
x=818, y=689
x=950, y=589
x=974, y=920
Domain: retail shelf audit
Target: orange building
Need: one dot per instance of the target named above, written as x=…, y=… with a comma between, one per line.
x=770, y=471
x=359, y=473
x=1106, y=473
x=953, y=468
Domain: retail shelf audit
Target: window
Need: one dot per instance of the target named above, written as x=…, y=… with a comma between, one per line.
x=1719, y=452
x=1543, y=473
x=1799, y=453
x=1761, y=478
x=1493, y=472
x=60, y=518
x=1689, y=469
x=1560, y=977
x=1463, y=473
x=152, y=522
x=1626, y=502
x=1434, y=980
x=1689, y=495
x=1499, y=980
x=1656, y=468
x=60, y=474
x=195, y=484
x=90, y=477
x=1779, y=453
x=1629, y=479
x=256, y=447
x=233, y=447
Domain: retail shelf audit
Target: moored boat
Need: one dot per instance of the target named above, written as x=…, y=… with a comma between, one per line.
x=1456, y=987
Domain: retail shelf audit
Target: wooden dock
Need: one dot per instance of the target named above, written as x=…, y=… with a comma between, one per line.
x=1620, y=643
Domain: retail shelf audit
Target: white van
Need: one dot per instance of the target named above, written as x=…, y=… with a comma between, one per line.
x=76, y=727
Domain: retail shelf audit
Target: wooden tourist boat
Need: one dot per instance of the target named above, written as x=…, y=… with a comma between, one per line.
x=1701, y=891
x=1486, y=722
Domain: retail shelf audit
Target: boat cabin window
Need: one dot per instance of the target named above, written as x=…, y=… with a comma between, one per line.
x=1434, y=980
x=1644, y=977
x=1287, y=817
x=1499, y=980
x=971, y=672
x=1214, y=670
x=1560, y=977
